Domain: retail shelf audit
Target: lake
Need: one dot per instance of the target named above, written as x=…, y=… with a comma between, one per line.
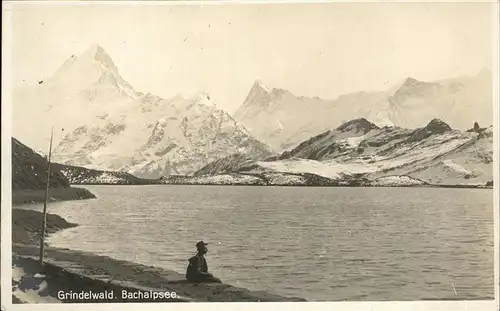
x=318, y=243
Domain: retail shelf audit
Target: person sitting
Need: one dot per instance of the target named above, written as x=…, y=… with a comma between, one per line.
x=197, y=270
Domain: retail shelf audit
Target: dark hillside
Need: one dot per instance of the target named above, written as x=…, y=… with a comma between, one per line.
x=29, y=178
x=29, y=170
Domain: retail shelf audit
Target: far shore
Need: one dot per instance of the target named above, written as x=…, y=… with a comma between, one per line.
x=291, y=185
x=83, y=176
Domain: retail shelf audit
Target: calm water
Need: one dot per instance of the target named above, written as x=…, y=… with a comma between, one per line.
x=316, y=243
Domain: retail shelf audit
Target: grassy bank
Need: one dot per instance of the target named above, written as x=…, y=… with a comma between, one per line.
x=26, y=196
x=26, y=225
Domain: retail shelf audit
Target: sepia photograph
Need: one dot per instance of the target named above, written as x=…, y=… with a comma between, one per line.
x=212, y=151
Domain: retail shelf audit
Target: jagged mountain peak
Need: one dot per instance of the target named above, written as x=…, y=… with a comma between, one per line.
x=259, y=85
x=359, y=124
x=100, y=56
x=437, y=126
x=259, y=95
x=90, y=73
x=93, y=57
x=434, y=127
x=413, y=86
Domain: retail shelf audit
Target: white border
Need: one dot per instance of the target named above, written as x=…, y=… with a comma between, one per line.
x=496, y=142
x=6, y=239
x=6, y=182
x=218, y=2
x=292, y=306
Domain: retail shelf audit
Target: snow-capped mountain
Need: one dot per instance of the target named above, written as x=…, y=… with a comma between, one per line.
x=282, y=120
x=109, y=125
x=434, y=154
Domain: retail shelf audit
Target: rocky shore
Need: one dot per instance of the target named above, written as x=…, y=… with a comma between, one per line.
x=26, y=196
x=74, y=271
x=26, y=225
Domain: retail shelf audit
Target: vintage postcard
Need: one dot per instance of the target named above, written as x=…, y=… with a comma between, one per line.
x=321, y=155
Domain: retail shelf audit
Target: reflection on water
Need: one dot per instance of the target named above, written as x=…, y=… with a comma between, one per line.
x=316, y=243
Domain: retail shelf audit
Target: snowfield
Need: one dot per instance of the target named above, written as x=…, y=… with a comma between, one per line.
x=226, y=180
x=298, y=166
x=285, y=180
x=397, y=181
x=105, y=178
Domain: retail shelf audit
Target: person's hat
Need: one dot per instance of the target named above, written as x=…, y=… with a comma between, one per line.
x=201, y=244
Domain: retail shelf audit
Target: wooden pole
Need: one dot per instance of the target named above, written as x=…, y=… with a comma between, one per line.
x=44, y=217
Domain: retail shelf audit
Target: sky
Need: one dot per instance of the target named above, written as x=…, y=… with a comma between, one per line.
x=310, y=49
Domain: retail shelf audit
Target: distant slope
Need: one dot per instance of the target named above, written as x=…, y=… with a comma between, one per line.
x=333, y=142
x=224, y=165
x=82, y=175
x=435, y=154
x=470, y=163
x=283, y=120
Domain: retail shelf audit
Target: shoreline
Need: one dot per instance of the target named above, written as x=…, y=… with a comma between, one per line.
x=71, y=270
x=29, y=196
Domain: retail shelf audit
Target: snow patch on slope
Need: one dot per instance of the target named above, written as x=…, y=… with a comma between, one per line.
x=298, y=166
x=354, y=142
x=104, y=178
x=397, y=181
x=223, y=179
x=456, y=167
x=285, y=180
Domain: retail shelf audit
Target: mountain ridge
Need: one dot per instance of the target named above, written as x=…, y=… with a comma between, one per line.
x=434, y=154
x=282, y=122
